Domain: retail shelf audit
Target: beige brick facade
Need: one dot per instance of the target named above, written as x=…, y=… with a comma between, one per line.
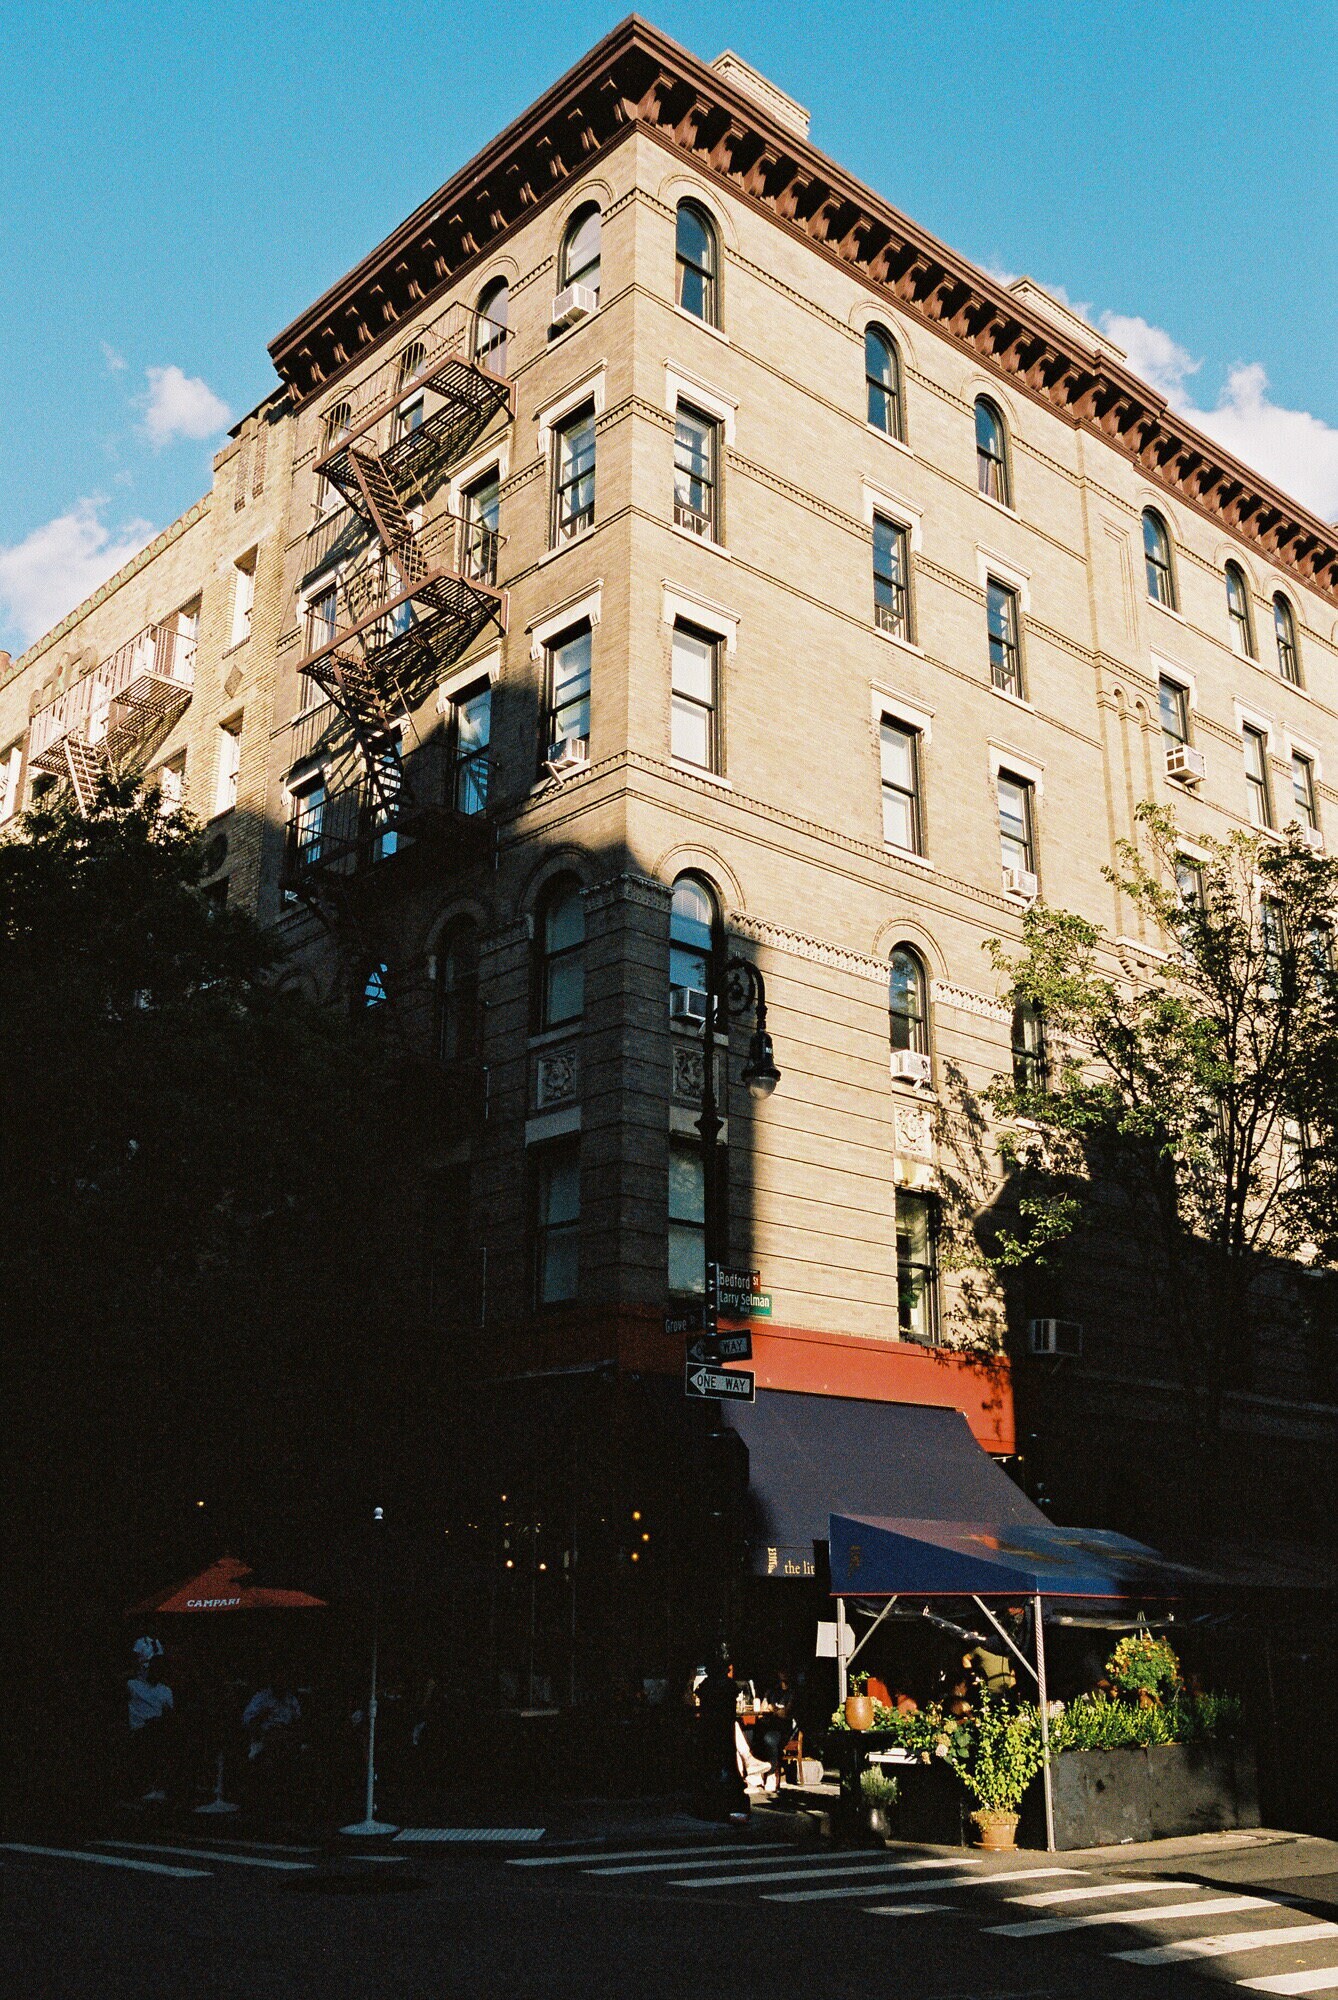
x=788, y=828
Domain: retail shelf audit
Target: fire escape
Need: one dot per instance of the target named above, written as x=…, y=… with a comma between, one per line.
x=97, y=725
x=415, y=598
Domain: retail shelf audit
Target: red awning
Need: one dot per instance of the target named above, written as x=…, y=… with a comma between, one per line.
x=221, y=1588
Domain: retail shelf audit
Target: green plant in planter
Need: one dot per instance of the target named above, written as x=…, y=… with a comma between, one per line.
x=878, y=1789
x=996, y=1752
x=1143, y=1664
x=1101, y=1722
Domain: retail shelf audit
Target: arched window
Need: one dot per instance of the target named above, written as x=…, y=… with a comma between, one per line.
x=374, y=988
x=1157, y=560
x=882, y=379
x=337, y=422
x=694, y=931
x=561, y=953
x=490, y=334
x=1289, y=653
x=907, y=1001
x=580, y=249
x=412, y=362
x=1029, y=1055
x=333, y=432
x=697, y=256
x=992, y=454
x=1238, y=610
x=458, y=992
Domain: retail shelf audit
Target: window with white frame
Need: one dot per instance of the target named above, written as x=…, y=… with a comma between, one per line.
x=1238, y=611
x=172, y=784
x=228, y=764
x=482, y=504
x=11, y=770
x=557, y=1222
x=899, y=755
x=1303, y=789
x=1289, y=653
x=306, y=821
x=1255, y=744
x=891, y=577
x=693, y=704
x=574, y=475
x=1173, y=705
x=568, y=692
x=1003, y=625
x=243, y=596
x=1017, y=842
x=917, y=1267
x=473, y=733
x=696, y=473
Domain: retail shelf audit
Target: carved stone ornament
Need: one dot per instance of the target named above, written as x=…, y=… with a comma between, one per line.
x=914, y=1130
x=688, y=1074
x=556, y=1077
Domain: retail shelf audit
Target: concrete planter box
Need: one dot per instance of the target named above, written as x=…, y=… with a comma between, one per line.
x=1106, y=1797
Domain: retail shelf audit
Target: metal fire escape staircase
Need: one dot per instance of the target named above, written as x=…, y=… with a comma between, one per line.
x=97, y=724
x=417, y=597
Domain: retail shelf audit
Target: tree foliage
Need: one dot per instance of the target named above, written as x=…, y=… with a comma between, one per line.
x=1191, y=1091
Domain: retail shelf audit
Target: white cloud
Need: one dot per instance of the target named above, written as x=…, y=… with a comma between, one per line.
x=1152, y=353
x=59, y=564
x=116, y=363
x=181, y=406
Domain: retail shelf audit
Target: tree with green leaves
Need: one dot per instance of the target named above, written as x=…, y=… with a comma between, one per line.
x=204, y=1214
x=1188, y=1093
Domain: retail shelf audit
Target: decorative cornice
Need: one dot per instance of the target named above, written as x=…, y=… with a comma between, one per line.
x=638, y=79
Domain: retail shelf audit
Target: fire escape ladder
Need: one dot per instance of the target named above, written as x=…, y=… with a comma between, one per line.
x=386, y=511
x=84, y=768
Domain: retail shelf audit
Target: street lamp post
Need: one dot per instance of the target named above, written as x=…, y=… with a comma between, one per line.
x=742, y=987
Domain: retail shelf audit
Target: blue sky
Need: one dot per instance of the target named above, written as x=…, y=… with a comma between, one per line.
x=178, y=180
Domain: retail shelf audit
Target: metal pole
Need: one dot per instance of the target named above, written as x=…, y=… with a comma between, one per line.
x=842, y=1688
x=370, y=1824
x=1044, y=1700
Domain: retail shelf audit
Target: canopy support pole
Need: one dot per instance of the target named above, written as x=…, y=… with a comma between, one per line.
x=1013, y=1648
x=1044, y=1704
x=842, y=1685
x=863, y=1641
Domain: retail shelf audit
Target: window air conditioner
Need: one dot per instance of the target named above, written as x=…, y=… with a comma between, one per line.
x=687, y=1003
x=910, y=1066
x=1313, y=837
x=1021, y=882
x=569, y=753
x=1055, y=1336
x=1186, y=763
x=574, y=304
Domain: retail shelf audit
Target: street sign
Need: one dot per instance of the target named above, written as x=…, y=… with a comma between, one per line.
x=712, y=1348
x=687, y=1321
x=731, y=1386
x=743, y=1300
x=738, y=1281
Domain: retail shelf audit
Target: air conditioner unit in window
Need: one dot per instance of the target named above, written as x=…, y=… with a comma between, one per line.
x=569, y=753
x=687, y=1003
x=1186, y=763
x=1055, y=1336
x=1021, y=882
x=910, y=1066
x=574, y=304
x=1313, y=837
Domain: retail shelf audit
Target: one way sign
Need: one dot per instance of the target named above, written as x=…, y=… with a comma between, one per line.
x=712, y=1348
x=731, y=1386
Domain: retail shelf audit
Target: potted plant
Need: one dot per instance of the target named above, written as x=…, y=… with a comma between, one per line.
x=1146, y=1668
x=859, y=1702
x=878, y=1795
x=996, y=1752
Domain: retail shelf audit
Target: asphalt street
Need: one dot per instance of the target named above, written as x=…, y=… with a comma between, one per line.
x=694, y=1918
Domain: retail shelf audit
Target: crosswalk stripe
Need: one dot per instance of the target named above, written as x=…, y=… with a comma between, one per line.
x=780, y=1848
x=107, y=1860
x=871, y=1889
x=1205, y=1906
x=1325, y=1981
x=835, y=1866
x=208, y=1854
x=627, y=1854
x=909, y=1909
x=473, y=1836
x=1222, y=1944
x=1094, y=1890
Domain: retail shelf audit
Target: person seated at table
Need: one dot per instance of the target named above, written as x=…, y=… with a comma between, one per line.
x=905, y=1704
x=877, y=1690
x=775, y=1726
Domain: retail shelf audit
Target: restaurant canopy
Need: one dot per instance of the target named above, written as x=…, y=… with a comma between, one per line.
x=882, y=1557
x=810, y=1457
x=222, y=1587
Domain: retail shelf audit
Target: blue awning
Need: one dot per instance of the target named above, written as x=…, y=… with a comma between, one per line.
x=874, y=1556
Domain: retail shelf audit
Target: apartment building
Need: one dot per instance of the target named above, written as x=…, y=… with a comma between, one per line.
x=659, y=551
